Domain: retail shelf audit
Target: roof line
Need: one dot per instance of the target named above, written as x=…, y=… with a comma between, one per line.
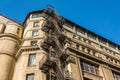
x=37, y=11
x=11, y=19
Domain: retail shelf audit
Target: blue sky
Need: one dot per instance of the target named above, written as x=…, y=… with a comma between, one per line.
x=99, y=16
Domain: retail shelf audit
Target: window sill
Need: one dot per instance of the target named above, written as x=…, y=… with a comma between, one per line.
x=88, y=74
x=31, y=66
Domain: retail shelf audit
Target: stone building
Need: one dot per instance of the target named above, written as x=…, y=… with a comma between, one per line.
x=90, y=56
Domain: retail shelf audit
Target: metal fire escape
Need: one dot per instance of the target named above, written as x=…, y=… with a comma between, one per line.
x=56, y=57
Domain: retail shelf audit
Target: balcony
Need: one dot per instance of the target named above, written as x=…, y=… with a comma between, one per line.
x=63, y=57
x=49, y=10
x=47, y=26
x=46, y=43
x=47, y=62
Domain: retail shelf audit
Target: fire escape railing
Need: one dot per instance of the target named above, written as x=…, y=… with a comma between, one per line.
x=53, y=44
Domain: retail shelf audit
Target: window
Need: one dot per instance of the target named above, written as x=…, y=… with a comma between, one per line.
x=112, y=45
x=18, y=30
x=116, y=76
x=102, y=40
x=70, y=25
x=30, y=77
x=90, y=68
x=33, y=43
x=36, y=15
x=91, y=35
x=35, y=33
x=81, y=30
x=32, y=58
x=36, y=24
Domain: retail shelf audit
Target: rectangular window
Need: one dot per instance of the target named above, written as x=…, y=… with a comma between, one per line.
x=30, y=77
x=112, y=45
x=35, y=33
x=102, y=40
x=32, y=58
x=18, y=30
x=91, y=35
x=89, y=68
x=33, y=43
x=36, y=24
x=70, y=25
x=36, y=15
x=81, y=30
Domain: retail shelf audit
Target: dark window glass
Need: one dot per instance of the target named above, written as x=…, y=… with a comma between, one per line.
x=33, y=43
x=36, y=15
x=30, y=77
x=89, y=68
x=102, y=40
x=70, y=25
x=35, y=33
x=91, y=35
x=32, y=58
x=18, y=30
x=36, y=24
x=112, y=45
x=81, y=30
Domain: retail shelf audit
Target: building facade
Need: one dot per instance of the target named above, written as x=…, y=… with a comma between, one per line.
x=90, y=56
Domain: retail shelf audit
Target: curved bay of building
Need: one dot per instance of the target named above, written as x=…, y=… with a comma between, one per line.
x=9, y=44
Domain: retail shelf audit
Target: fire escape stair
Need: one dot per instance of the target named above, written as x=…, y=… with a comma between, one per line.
x=55, y=40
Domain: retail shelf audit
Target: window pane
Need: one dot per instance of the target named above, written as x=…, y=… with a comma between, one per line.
x=81, y=30
x=36, y=24
x=18, y=30
x=33, y=43
x=30, y=77
x=90, y=68
x=37, y=15
x=32, y=58
x=112, y=45
x=102, y=40
x=86, y=67
x=70, y=25
x=35, y=33
x=91, y=35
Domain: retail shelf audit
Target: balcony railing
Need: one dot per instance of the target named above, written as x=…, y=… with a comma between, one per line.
x=47, y=62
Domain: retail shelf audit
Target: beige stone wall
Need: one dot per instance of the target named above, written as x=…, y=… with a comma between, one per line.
x=5, y=20
x=106, y=73
x=29, y=28
x=8, y=45
x=13, y=28
x=6, y=67
x=22, y=68
x=75, y=70
x=9, y=42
